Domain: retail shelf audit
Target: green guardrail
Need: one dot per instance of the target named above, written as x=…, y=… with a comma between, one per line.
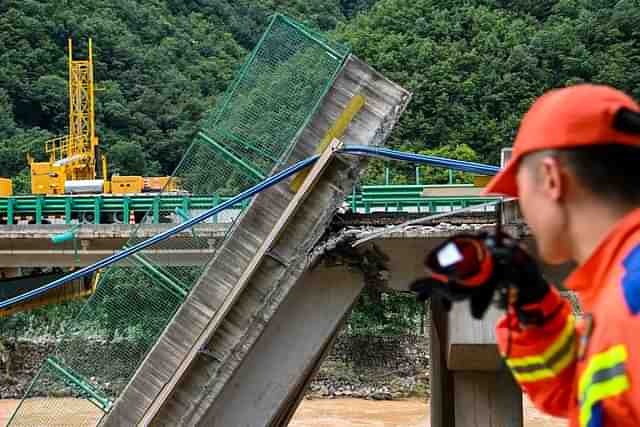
x=419, y=205
x=97, y=209
x=410, y=198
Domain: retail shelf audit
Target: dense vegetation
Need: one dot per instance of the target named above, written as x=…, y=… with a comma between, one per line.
x=159, y=65
x=474, y=67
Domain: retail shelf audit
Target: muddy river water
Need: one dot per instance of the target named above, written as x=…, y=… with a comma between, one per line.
x=311, y=413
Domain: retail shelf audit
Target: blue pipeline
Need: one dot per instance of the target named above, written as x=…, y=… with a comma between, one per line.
x=105, y=262
x=361, y=150
x=459, y=165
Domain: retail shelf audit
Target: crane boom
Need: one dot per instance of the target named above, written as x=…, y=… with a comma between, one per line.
x=82, y=136
x=72, y=157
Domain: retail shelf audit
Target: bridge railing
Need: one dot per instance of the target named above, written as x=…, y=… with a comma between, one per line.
x=410, y=199
x=100, y=209
x=172, y=208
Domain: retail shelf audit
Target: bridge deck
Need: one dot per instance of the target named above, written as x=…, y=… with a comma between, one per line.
x=172, y=389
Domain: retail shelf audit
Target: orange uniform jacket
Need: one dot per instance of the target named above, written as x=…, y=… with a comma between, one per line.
x=587, y=370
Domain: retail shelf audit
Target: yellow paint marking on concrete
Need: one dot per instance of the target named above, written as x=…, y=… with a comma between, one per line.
x=336, y=132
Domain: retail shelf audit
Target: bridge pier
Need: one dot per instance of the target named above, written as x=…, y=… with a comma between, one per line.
x=470, y=386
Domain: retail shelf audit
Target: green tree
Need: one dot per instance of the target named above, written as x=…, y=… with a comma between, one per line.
x=159, y=65
x=475, y=67
x=50, y=96
x=127, y=158
x=351, y=8
x=7, y=124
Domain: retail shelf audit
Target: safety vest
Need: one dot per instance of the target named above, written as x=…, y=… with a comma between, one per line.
x=586, y=369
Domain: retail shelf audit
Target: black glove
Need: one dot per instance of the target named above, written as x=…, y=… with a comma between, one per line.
x=448, y=292
x=520, y=277
x=427, y=287
x=486, y=263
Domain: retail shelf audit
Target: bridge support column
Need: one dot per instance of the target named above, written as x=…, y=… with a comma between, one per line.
x=271, y=380
x=470, y=387
x=440, y=378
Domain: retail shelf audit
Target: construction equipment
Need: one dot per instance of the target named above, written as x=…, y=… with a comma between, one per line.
x=6, y=188
x=72, y=158
x=75, y=167
x=76, y=164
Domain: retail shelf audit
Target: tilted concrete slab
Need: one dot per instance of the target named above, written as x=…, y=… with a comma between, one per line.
x=171, y=388
x=267, y=385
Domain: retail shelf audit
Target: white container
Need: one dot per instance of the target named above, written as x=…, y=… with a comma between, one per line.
x=84, y=186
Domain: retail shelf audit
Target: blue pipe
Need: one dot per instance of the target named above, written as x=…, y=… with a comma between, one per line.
x=460, y=165
x=105, y=262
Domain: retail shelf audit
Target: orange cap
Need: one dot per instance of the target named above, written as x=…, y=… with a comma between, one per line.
x=563, y=118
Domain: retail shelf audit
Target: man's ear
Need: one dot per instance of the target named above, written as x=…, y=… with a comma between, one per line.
x=552, y=178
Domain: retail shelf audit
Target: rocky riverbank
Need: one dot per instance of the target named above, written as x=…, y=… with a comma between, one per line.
x=368, y=367
x=374, y=367
x=21, y=363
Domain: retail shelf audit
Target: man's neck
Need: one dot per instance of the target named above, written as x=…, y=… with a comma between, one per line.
x=590, y=223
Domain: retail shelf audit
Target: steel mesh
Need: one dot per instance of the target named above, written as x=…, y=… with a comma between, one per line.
x=246, y=138
x=278, y=89
x=52, y=401
x=123, y=334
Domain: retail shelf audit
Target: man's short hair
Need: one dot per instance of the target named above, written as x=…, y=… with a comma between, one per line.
x=609, y=171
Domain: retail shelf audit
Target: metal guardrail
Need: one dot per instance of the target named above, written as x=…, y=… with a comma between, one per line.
x=97, y=209
x=408, y=198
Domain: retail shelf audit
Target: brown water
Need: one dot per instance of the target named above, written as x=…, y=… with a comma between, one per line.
x=396, y=413
x=359, y=412
x=311, y=413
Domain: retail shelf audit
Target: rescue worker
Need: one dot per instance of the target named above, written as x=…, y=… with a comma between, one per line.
x=575, y=169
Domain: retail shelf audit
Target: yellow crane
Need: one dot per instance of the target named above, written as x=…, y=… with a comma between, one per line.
x=73, y=158
x=75, y=163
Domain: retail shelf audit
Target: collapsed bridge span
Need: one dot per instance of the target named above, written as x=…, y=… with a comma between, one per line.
x=194, y=373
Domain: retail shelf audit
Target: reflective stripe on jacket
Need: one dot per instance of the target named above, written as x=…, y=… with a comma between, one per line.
x=587, y=369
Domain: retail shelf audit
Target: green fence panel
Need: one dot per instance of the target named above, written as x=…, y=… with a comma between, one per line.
x=248, y=136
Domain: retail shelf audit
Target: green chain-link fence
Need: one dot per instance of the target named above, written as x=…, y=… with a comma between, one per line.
x=247, y=137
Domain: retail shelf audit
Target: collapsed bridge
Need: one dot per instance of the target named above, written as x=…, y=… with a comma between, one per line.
x=234, y=340
x=296, y=92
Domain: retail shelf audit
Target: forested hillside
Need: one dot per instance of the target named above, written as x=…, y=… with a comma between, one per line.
x=474, y=66
x=159, y=65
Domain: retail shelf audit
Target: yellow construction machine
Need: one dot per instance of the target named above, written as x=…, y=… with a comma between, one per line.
x=76, y=165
